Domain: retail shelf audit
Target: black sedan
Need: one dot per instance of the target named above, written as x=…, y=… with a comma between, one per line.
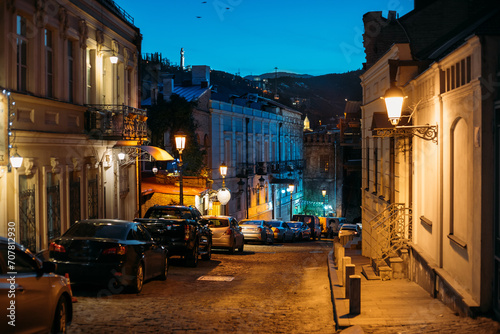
x=109, y=251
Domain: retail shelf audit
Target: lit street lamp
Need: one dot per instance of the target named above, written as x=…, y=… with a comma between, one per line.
x=291, y=186
x=324, y=204
x=180, y=144
x=223, y=173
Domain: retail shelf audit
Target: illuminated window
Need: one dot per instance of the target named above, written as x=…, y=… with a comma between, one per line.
x=22, y=54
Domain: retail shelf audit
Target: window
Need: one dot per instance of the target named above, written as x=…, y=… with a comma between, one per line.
x=49, y=64
x=22, y=54
x=70, y=72
x=324, y=163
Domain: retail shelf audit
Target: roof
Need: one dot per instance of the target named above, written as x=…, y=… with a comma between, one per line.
x=190, y=93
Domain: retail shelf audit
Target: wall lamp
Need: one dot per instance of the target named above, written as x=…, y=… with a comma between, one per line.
x=394, y=99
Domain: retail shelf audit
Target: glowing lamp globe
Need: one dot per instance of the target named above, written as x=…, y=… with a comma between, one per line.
x=223, y=195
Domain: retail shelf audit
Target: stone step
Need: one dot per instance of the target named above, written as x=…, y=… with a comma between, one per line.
x=369, y=272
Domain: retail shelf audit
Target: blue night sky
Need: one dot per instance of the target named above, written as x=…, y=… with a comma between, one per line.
x=254, y=36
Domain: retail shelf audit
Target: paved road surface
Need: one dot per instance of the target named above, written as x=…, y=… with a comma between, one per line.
x=269, y=289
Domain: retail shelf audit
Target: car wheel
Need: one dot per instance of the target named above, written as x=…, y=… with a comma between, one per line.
x=192, y=258
x=139, y=279
x=208, y=255
x=293, y=238
x=164, y=274
x=61, y=316
x=241, y=247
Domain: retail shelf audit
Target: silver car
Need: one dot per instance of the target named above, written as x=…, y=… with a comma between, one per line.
x=282, y=231
x=226, y=232
x=257, y=230
x=302, y=231
x=33, y=298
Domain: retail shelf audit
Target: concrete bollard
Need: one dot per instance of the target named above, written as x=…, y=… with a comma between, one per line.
x=345, y=261
x=350, y=269
x=354, y=294
x=339, y=254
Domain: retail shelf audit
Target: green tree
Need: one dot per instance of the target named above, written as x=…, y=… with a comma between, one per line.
x=172, y=116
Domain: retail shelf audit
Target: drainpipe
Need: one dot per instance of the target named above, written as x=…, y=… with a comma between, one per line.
x=247, y=120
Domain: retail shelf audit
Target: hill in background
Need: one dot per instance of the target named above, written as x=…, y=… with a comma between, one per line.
x=321, y=98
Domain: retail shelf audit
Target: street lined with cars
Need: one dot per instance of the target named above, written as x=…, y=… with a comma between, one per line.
x=279, y=288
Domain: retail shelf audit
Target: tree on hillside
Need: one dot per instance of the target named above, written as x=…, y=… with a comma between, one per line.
x=170, y=117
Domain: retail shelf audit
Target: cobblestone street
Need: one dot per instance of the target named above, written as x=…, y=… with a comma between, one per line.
x=274, y=289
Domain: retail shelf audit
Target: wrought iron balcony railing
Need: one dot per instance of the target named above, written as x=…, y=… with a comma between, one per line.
x=116, y=122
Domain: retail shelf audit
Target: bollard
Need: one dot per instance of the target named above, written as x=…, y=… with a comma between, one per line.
x=354, y=294
x=350, y=269
x=339, y=254
x=345, y=260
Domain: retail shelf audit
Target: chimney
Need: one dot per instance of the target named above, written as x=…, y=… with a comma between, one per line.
x=168, y=88
x=392, y=15
x=200, y=74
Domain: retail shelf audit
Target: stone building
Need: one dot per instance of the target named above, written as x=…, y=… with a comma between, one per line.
x=258, y=139
x=430, y=178
x=68, y=100
x=332, y=162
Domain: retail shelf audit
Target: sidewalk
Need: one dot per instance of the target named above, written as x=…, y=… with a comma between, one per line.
x=395, y=302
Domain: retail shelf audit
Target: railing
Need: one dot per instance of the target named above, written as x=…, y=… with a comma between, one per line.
x=111, y=121
x=389, y=231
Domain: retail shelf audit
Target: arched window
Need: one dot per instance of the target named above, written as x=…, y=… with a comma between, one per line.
x=459, y=190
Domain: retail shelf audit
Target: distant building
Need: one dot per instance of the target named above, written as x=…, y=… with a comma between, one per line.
x=258, y=139
x=332, y=160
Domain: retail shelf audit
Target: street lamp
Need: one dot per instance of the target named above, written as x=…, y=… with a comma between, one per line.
x=223, y=173
x=180, y=144
x=291, y=186
x=324, y=205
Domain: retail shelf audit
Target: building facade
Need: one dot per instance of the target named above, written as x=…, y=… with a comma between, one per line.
x=261, y=143
x=430, y=182
x=69, y=76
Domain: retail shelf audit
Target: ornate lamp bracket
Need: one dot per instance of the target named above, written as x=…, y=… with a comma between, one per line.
x=426, y=132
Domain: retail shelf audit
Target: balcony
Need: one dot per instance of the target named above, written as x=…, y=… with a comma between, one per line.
x=261, y=168
x=115, y=122
x=244, y=170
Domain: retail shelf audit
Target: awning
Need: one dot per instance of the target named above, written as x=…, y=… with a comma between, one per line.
x=156, y=152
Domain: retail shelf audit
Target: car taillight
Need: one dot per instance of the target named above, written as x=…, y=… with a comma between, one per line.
x=228, y=231
x=186, y=232
x=118, y=250
x=53, y=247
x=260, y=229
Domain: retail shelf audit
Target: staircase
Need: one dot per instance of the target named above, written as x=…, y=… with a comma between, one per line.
x=390, y=232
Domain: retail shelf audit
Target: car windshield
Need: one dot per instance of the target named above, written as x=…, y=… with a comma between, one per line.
x=294, y=225
x=344, y=227
x=170, y=213
x=218, y=222
x=250, y=222
x=275, y=224
x=98, y=230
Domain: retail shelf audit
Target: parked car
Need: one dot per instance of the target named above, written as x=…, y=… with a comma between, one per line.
x=178, y=228
x=107, y=251
x=257, y=230
x=334, y=224
x=35, y=299
x=349, y=229
x=226, y=232
x=282, y=231
x=313, y=223
x=302, y=231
